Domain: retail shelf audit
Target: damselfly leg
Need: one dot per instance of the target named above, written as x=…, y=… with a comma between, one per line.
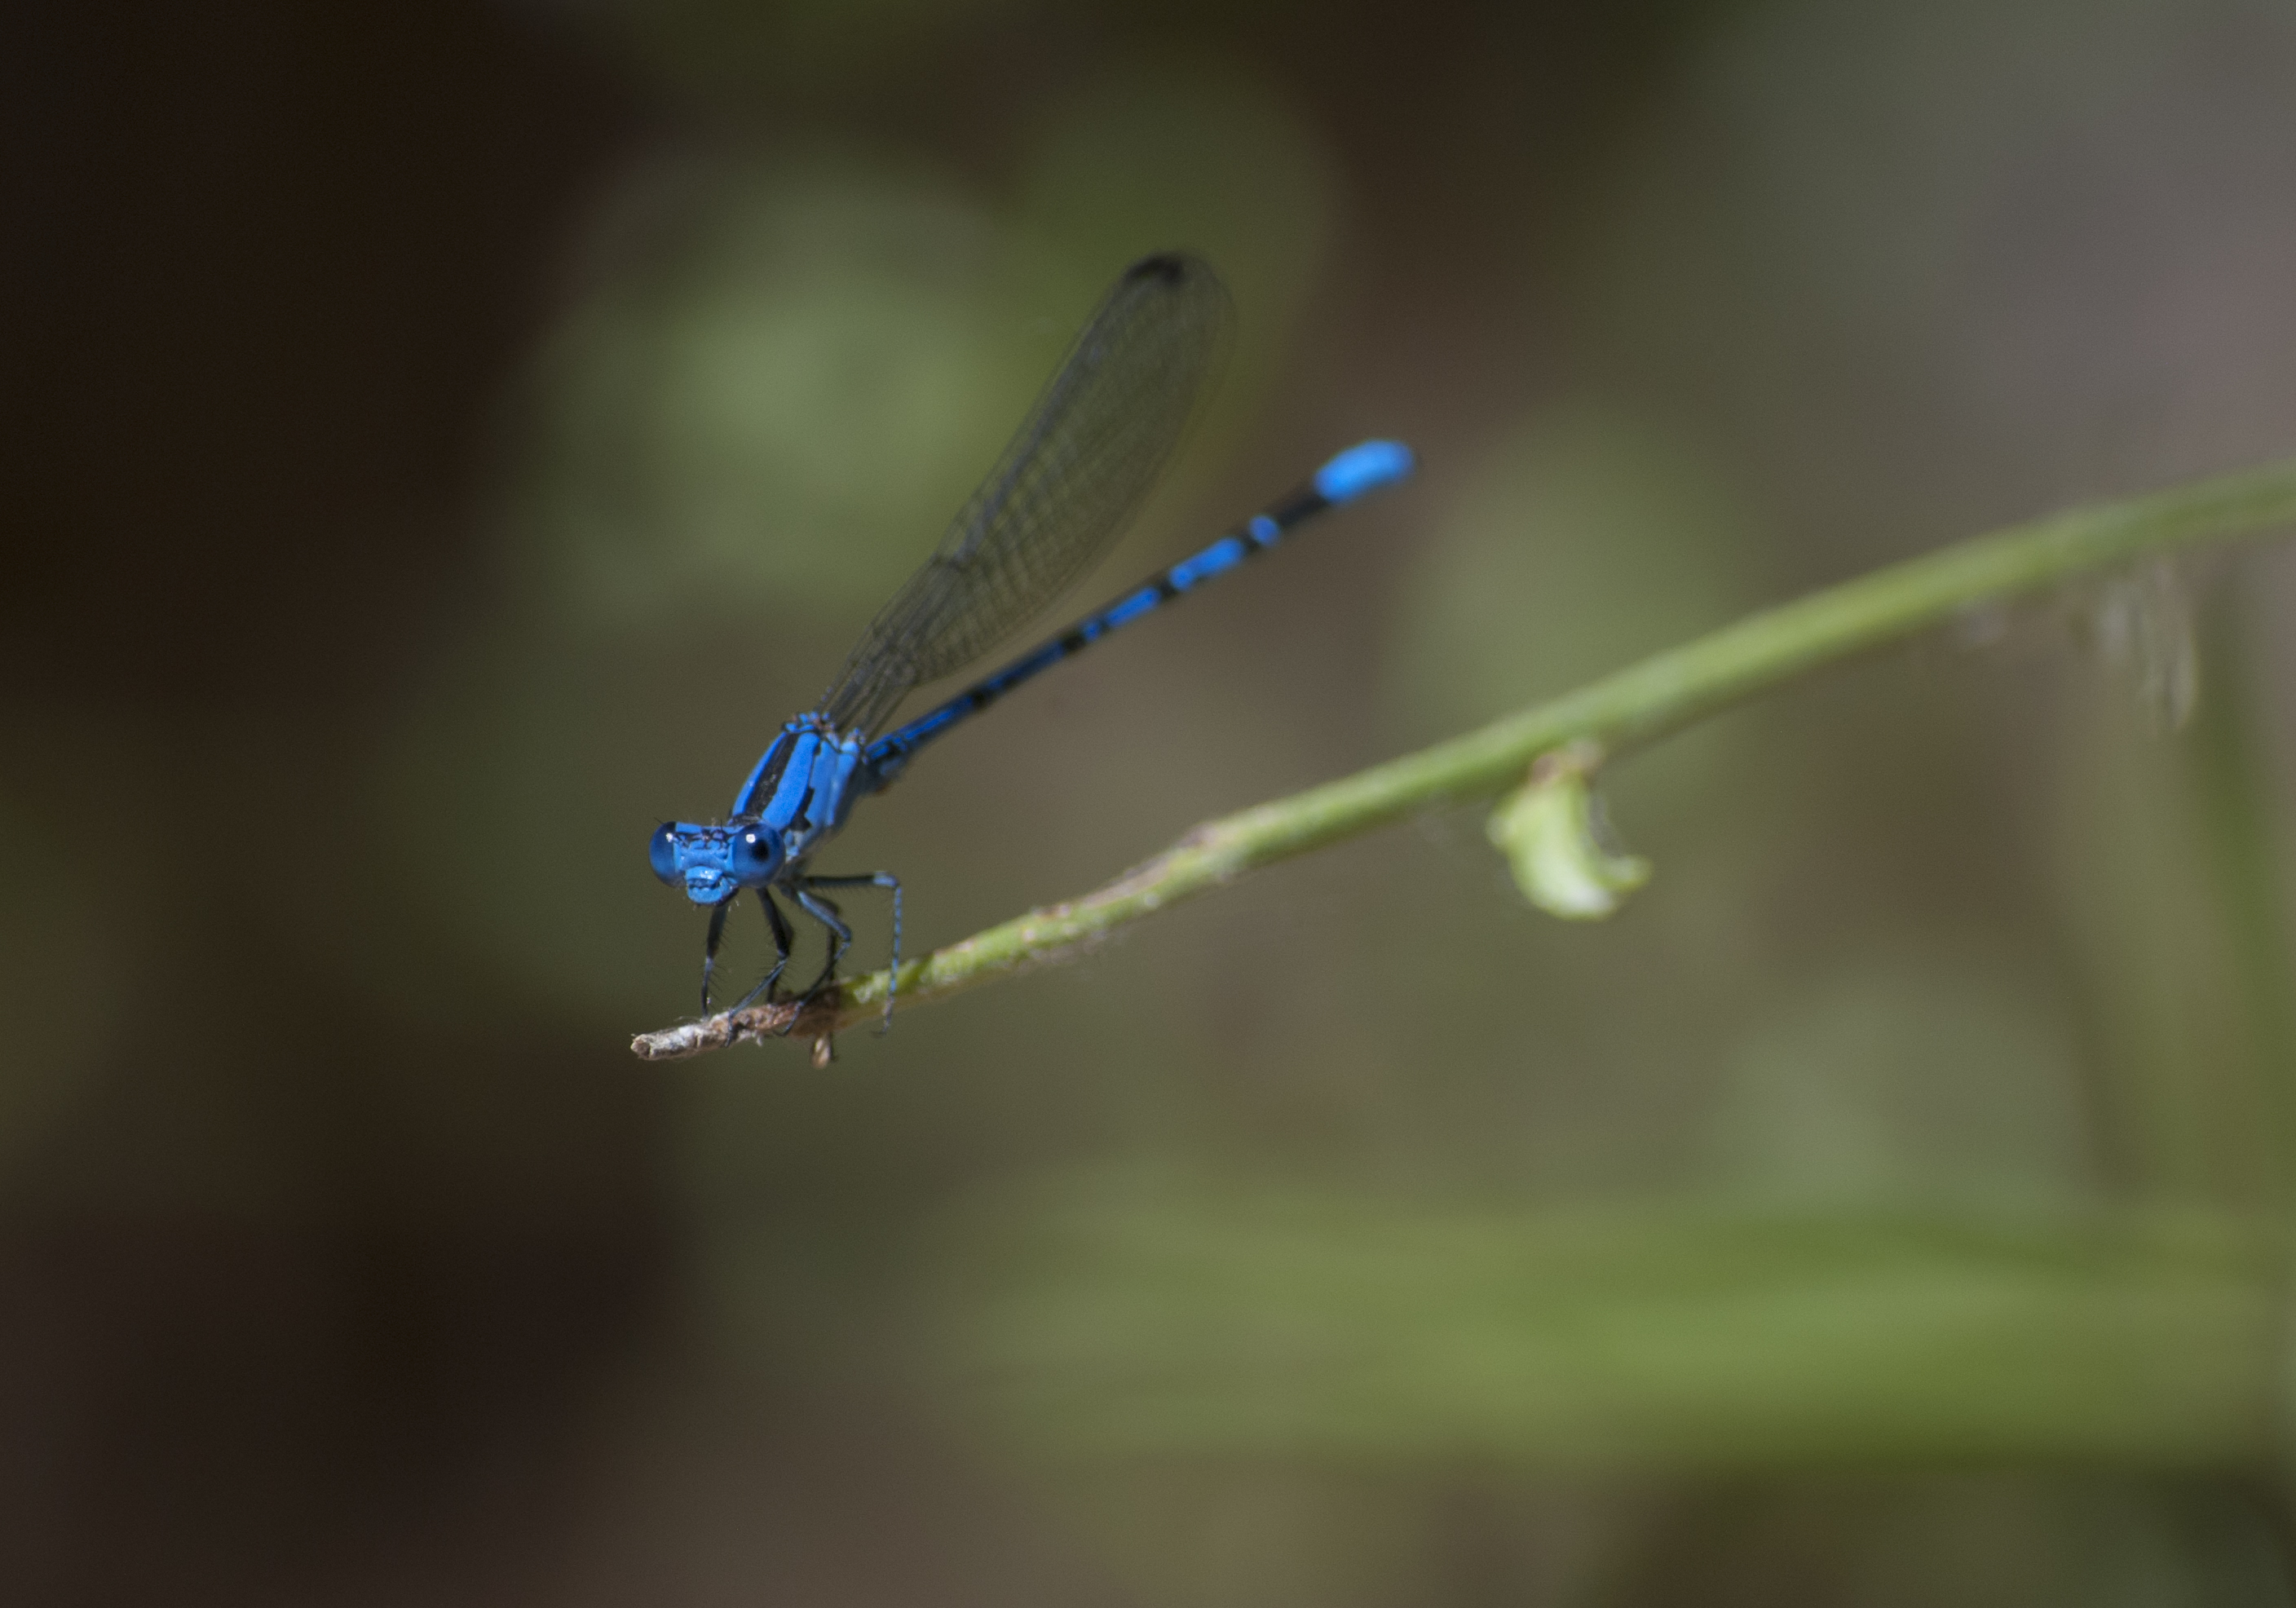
x=876, y=879
x=782, y=940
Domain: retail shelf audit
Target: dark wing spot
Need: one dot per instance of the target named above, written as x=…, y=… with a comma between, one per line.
x=1171, y=266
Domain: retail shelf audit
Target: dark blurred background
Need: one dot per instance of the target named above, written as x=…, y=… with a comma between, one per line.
x=446, y=438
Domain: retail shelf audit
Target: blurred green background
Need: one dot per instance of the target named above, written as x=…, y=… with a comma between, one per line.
x=447, y=437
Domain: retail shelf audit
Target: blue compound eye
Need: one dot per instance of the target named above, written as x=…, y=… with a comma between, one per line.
x=663, y=852
x=757, y=854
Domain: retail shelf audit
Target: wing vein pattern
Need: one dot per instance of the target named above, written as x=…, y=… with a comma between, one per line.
x=1071, y=480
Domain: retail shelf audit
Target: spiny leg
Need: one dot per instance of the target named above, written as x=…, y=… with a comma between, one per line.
x=709, y=949
x=840, y=935
x=782, y=938
x=876, y=879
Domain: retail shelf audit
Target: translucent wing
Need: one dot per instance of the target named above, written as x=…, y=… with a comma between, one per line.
x=1072, y=479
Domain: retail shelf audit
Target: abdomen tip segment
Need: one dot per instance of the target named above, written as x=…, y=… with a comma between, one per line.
x=1367, y=466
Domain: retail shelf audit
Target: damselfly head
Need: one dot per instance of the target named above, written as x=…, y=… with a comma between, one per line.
x=712, y=864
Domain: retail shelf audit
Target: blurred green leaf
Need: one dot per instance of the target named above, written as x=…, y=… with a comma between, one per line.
x=1115, y=1318
x=1926, y=1077
x=780, y=392
x=1197, y=154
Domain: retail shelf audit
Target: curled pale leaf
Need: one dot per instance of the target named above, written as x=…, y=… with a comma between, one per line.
x=1552, y=832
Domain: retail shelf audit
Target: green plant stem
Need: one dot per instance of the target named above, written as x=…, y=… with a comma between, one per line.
x=1640, y=704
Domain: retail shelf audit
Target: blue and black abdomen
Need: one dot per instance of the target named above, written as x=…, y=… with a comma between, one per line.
x=1361, y=469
